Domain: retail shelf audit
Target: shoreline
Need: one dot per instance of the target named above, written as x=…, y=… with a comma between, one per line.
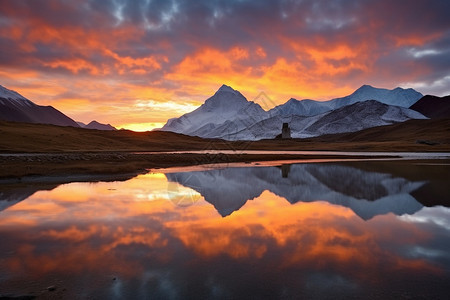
x=93, y=164
x=88, y=163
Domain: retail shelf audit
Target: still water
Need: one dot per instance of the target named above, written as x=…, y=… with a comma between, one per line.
x=335, y=230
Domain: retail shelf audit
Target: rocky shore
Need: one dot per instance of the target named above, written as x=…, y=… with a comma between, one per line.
x=83, y=163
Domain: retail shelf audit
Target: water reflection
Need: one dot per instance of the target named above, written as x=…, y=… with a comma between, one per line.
x=154, y=237
x=367, y=193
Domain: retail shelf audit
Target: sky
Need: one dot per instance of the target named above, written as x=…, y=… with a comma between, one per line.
x=136, y=63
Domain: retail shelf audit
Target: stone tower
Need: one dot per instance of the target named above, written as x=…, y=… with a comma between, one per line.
x=285, y=131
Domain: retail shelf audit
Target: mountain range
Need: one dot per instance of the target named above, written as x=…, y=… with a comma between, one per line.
x=397, y=97
x=367, y=193
x=229, y=115
x=350, y=118
x=16, y=108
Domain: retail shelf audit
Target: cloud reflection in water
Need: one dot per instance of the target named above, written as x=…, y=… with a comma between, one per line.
x=107, y=240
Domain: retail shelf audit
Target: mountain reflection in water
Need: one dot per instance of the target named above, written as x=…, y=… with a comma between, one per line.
x=366, y=193
x=311, y=231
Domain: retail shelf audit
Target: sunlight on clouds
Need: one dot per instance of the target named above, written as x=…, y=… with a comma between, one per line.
x=168, y=106
x=421, y=53
x=118, y=12
x=183, y=53
x=441, y=84
x=326, y=23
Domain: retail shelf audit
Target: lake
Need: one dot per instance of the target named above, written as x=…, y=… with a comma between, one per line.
x=321, y=230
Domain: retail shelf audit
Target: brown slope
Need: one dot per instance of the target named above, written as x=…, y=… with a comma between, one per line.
x=433, y=107
x=26, y=137
x=437, y=130
x=412, y=135
x=407, y=136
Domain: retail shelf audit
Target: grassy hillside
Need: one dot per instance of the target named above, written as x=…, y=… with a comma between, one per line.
x=26, y=137
x=413, y=135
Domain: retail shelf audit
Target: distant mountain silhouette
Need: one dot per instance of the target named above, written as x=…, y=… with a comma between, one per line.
x=433, y=107
x=367, y=193
x=14, y=107
x=99, y=126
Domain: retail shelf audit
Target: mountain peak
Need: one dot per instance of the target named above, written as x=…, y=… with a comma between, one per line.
x=94, y=122
x=10, y=94
x=365, y=87
x=293, y=101
x=226, y=111
x=228, y=89
x=227, y=98
x=99, y=126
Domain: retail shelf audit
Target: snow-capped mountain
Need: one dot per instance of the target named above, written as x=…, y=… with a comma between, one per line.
x=228, y=115
x=306, y=107
x=14, y=107
x=366, y=193
x=359, y=116
x=227, y=111
x=397, y=97
x=13, y=96
x=350, y=118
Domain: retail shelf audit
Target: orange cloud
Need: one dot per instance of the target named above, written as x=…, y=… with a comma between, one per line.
x=239, y=53
x=137, y=65
x=260, y=52
x=78, y=47
x=74, y=65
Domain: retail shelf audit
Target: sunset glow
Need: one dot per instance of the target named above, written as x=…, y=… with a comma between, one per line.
x=290, y=234
x=134, y=64
x=121, y=215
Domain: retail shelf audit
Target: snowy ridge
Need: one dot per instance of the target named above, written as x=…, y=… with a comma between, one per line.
x=229, y=115
x=14, y=97
x=16, y=108
x=304, y=107
x=351, y=118
x=398, y=97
